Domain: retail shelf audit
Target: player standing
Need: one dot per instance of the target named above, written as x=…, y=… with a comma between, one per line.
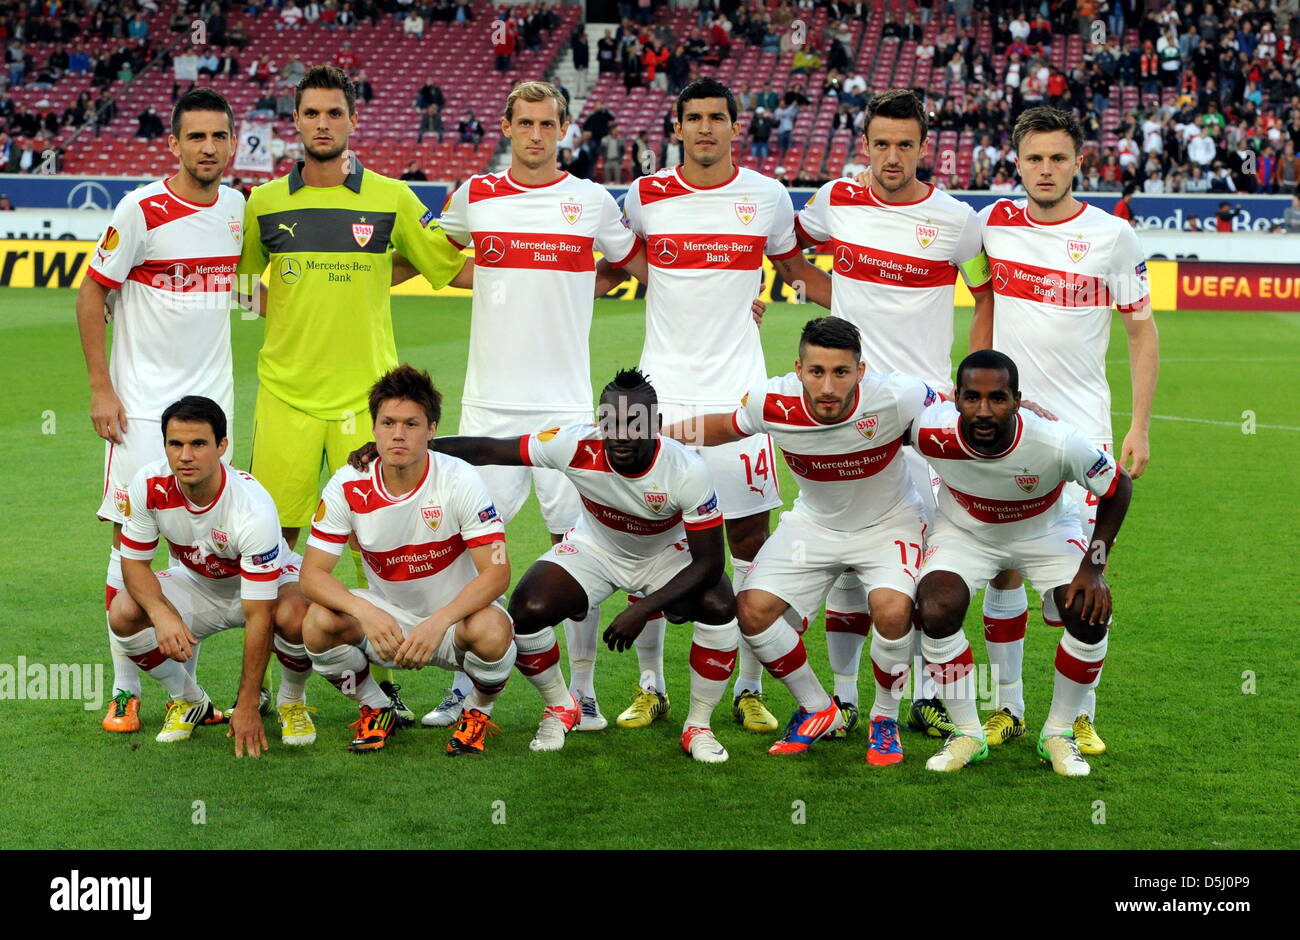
x=434, y=551
x=1059, y=265
x=232, y=568
x=897, y=245
x=169, y=252
x=327, y=231
x=533, y=229
x=840, y=429
x=707, y=225
x=1003, y=470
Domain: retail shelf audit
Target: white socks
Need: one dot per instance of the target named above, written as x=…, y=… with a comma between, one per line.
x=580, y=639
x=713, y=659
x=1005, y=617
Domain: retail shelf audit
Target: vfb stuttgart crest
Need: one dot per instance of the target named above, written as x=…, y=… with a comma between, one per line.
x=362, y=233
x=432, y=516
x=926, y=234
x=122, y=500
x=572, y=211
x=1076, y=248
x=220, y=537
x=1027, y=481
x=656, y=500
x=235, y=229
x=745, y=211
x=867, y=425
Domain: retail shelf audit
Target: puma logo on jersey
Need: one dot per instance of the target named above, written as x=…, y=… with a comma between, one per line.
x=160, y=488
x=591, y=451
x=938, y=441
x=785, y=409
x=161, y=206
x=491, y=182
x=289, y=229
x=662, y=184
x=1010, y=211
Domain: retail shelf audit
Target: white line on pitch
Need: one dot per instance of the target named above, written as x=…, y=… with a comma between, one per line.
x=1226, y=424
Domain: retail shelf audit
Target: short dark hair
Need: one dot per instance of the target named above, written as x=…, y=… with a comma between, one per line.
x=196, y=408
x=708, y=87
x=631, y=382
x=901, y=104
x=327, y=77
x=410, y=384
x=201, y=99
x=831, y=333
x=1044, y=120
x=990, y=359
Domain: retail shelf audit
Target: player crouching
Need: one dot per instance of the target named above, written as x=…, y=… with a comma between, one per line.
x=1003, y=470
x=233, y=569
x=434, y=553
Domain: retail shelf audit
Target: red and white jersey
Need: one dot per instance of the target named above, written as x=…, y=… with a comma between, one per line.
x=534, y=280
x=414, y=546
x=895, y=270
x=1015, y=494
x=1055, y=285
x=230, y=547
x=631, y=517
x=704, y=253
x=850, y=473
x=173, y=263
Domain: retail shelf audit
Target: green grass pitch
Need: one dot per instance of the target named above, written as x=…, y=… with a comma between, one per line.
x=1206, y=604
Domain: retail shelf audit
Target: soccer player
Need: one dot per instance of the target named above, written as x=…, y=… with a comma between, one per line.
x=1059, y=266
x=1003, y=470
x=231, y=568
x=650, y=525
x=328, y=231
x=168, y=256
x=898, y=245
x=707, y=225
x=434, y=550
x=840, y=429
x=533, y=229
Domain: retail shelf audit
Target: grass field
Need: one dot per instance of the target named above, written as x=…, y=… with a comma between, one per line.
x=1205, y=579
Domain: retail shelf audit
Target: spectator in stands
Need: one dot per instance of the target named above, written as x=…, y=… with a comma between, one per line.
x=768, y=98
x=785, y=117
x=1286, y=175
x=365, y=90
x=430, y=93
x=607, y=53
x=79, y=112
x=598, y=122
x=678, y=69
x=854, y=91
x=760, y=132
x=413, y=173
x=311, y=12
x=105, y=111
x=613, y=149
x=470, y=129
x=261, y=70
x=1291, y=217
x=347, y=58
x=672, y=152
x=151, y=125
x=138, y=28
x=463, y=15
x=1002, y=183
x=655, y=60
x=290, y=16
x=285, y=100
x=227, y=65
x=1124, y=208
x=806, y=61
x=208, y=63
x=1225, y=216
x=412, y=26
x=581, y=51
x=293, y=70
x=264, y=106
x=1170, y=54
x=430, y=123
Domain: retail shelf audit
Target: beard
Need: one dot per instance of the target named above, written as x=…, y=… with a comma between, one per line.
x=1046, y=204
x=333, y=152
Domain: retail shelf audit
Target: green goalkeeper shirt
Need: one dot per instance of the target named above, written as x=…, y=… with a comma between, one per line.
x=329, y=324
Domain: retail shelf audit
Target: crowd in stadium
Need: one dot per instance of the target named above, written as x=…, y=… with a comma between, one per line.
x=1175, y=97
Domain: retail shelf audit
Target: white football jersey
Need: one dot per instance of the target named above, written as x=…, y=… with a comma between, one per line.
x=231, y=547
x=173, y=264
x=850, y=473
x=629, y=517
x=704, y=253
x=414, y=546
x=534, y=281
x=1055, y=285
x=895, y=272
x=1015, y=494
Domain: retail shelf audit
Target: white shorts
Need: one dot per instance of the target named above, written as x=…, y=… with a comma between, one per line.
x=603, y=575
x=1047, y=561
x=801, y=560
x=744, y=472
x=509, y=486
x=141, y=444
x=446, y=656
x=205, y=612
